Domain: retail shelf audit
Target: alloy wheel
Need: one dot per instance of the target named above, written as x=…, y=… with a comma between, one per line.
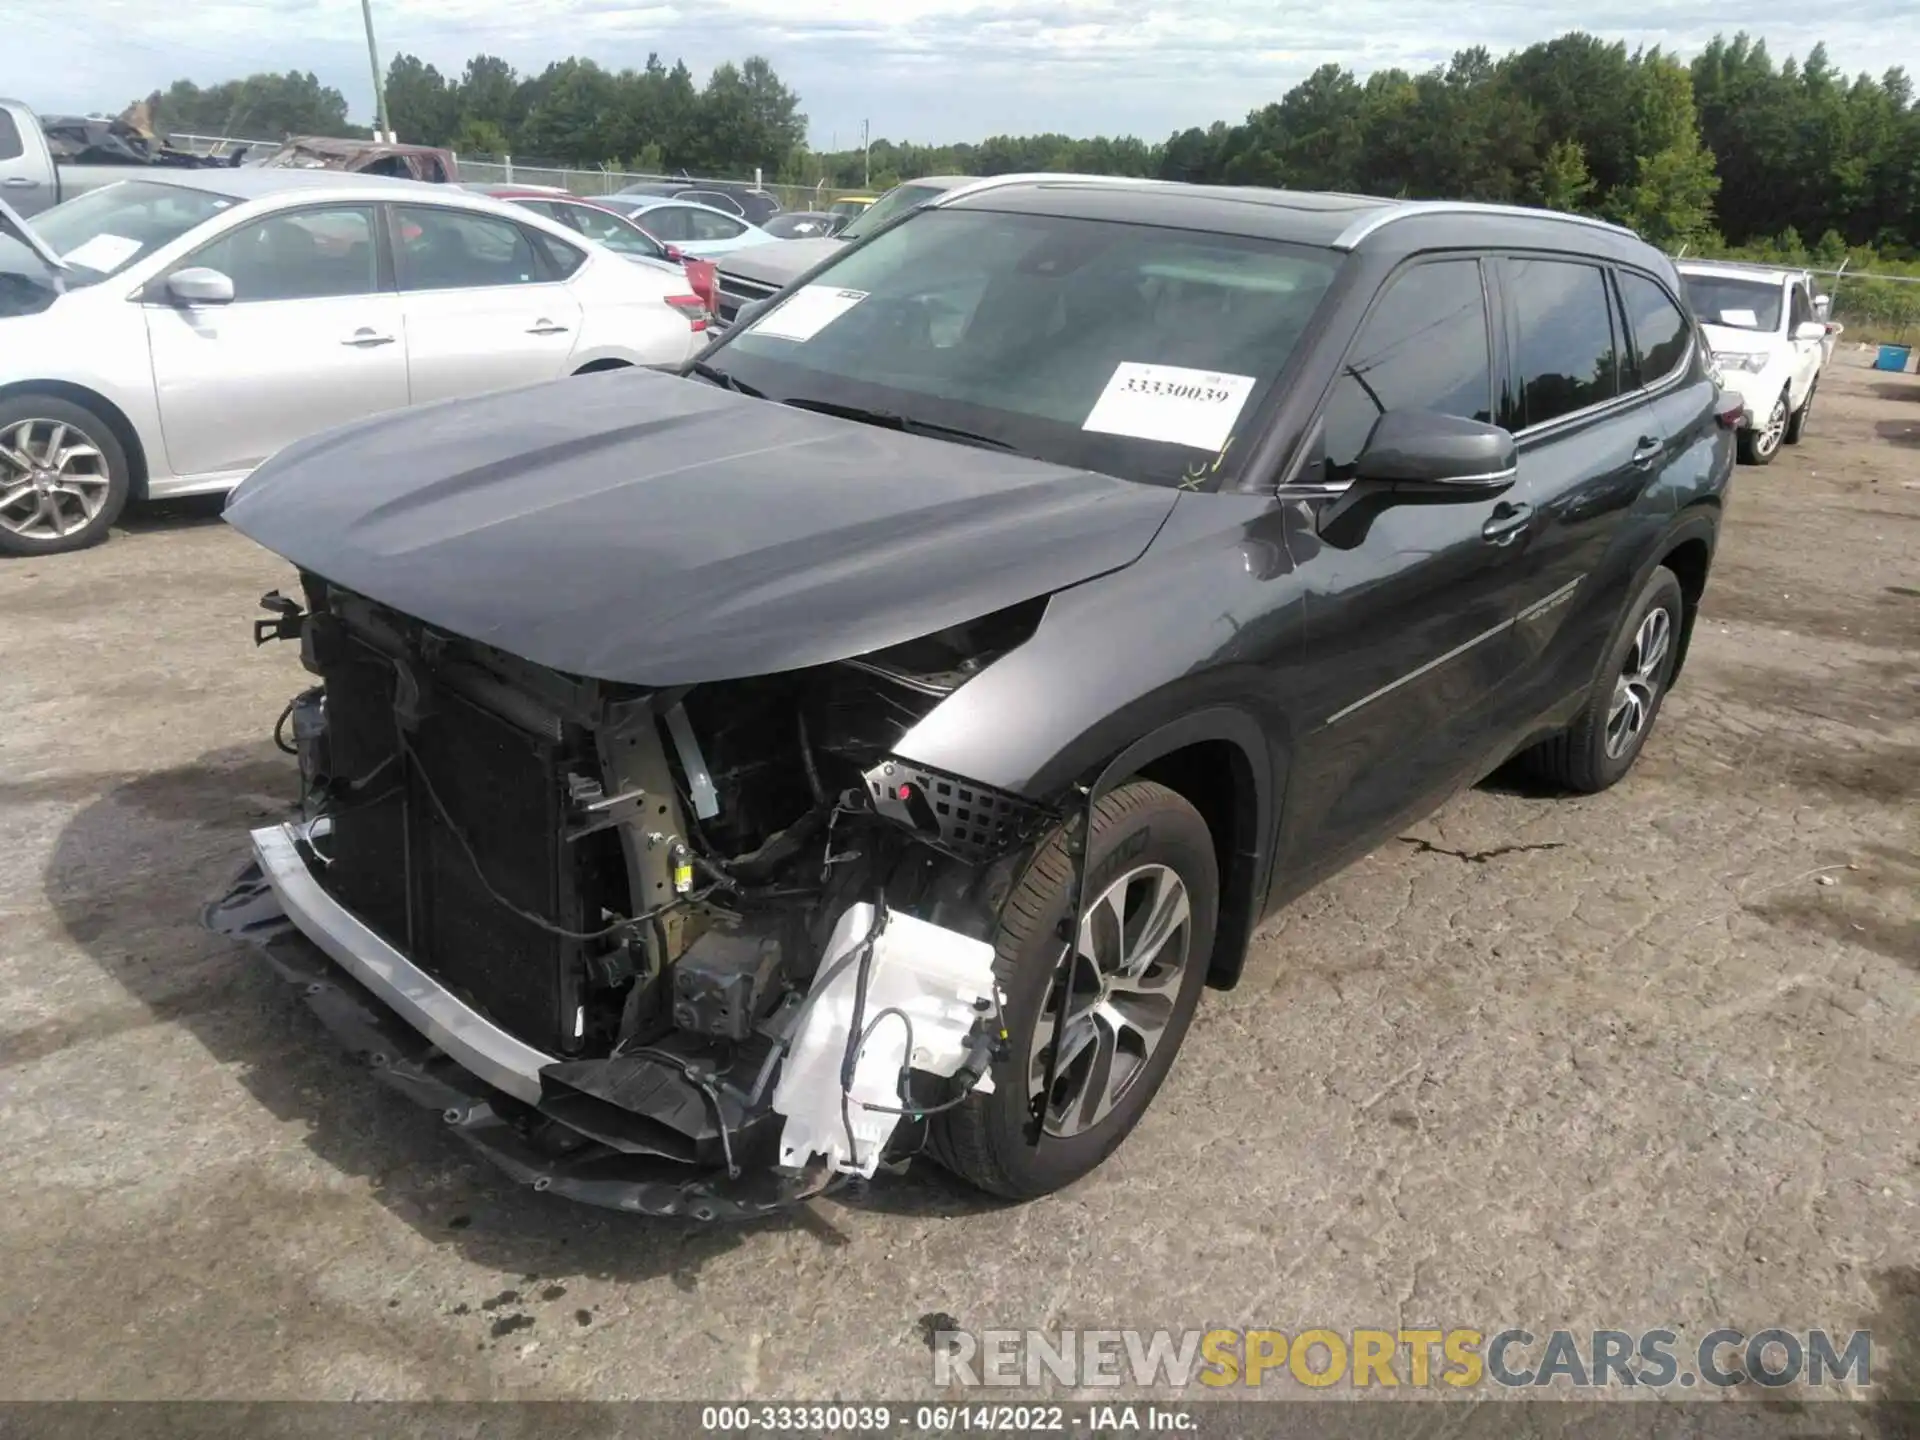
x=53, y=479
x=1639, y=682
x=1775, y=428
x=1120, y=996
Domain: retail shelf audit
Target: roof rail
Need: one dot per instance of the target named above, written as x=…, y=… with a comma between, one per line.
x=1778, y=267
x=1406, y=209
x=995, y=182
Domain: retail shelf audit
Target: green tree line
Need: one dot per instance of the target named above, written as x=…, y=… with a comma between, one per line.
x=1729, y=150
x=576, y=112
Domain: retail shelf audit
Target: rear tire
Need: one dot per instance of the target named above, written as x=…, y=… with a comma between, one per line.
x=64, y=478
x=1145, y=838
x=1604, y=740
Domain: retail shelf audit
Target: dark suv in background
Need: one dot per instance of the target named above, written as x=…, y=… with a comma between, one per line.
x=874, y=741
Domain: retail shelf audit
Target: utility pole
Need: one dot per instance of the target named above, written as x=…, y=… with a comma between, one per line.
x=384, y=130
x=866, y=158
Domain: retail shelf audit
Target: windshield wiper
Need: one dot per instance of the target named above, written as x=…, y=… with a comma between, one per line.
x=895, y=421
x=707, y=370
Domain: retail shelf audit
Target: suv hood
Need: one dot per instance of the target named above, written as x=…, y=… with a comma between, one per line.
x=1731, y=337
x=782, y=260
x=639, y=527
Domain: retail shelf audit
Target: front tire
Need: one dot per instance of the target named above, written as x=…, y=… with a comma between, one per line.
x=1604, y=740
x=1797, y=426
x=1153, y=886
x=1760, y=443
x=64, y=478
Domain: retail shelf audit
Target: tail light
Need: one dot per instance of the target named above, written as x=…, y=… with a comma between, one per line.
x=702, y=275
x=693, y=308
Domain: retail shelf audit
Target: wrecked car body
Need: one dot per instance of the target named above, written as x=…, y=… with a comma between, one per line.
x=713, y=787
x=612, y=868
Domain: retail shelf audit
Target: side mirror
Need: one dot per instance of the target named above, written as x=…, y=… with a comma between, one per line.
x=1810, y=330
x=1444, y=456
x=198, y=285
x=751, y=311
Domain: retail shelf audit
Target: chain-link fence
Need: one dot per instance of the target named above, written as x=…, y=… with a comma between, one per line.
x=1876, y=308
x=220, y=145
x=513, y=170
x=577, y=180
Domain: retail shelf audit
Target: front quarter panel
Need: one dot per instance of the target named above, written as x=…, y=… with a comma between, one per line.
x=96, y=339
x=1194, y=641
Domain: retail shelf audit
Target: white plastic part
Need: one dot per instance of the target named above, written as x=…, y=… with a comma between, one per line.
x=937, y=977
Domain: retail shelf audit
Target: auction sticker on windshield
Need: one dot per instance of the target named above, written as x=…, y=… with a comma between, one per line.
x=806, y=312
x=1170, y=403
x=1740, y=319
x=103, y=252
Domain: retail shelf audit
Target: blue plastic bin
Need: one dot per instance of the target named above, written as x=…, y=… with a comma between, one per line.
x=1893, y=357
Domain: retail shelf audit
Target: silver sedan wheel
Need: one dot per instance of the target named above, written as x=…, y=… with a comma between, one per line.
x=1639, y=682
x=1120, y=998
x=53, y=479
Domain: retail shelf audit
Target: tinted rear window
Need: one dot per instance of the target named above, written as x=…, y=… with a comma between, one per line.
x=1566, y=355
x=1659, y=328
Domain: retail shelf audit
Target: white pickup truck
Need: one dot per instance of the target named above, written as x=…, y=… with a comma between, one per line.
x=1770, y=335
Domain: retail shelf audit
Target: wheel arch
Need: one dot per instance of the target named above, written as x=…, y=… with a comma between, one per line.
x=114, y=417
x=1218, y=761
x=603, y=364
x=1687, y=550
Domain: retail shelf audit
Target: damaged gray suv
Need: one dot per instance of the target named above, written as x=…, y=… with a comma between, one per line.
x=871, y=742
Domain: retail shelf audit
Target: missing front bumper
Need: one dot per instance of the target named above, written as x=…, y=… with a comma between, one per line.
x=423, y=1040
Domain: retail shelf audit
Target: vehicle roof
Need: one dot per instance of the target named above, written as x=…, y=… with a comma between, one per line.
x=1367, y=223
x=334, y=145
x=1734, y=270
x=256, y=182
x=653, y=202
x=531, y=192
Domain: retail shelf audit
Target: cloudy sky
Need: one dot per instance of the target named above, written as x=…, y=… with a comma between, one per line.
x=917, y=69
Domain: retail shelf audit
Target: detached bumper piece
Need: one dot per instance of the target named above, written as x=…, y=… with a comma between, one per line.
x=648, y=1133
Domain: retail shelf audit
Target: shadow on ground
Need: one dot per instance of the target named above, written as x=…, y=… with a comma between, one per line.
x=116, y=880
x=192, y=512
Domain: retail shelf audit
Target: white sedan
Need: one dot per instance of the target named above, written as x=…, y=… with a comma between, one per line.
x=687, y=228
x=163, y=337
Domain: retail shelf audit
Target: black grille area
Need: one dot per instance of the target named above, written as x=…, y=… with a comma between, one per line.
x=970, y=821
x=735, y=291
x=398, y=865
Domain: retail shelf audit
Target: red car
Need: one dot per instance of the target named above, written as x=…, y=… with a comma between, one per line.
x=611, y=229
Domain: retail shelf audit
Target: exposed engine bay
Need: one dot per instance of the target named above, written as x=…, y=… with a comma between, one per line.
x=704, y=950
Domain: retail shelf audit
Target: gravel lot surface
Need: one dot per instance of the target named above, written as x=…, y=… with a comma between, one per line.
x=1646, y=1058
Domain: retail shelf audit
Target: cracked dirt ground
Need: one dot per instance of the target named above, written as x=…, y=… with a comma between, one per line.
x=1617, y=1061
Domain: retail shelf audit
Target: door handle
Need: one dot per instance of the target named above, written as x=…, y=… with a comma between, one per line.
x=19, y=182
x=365, y=339
x=544, y=326
x=1507, y=521
x=1647, y=451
